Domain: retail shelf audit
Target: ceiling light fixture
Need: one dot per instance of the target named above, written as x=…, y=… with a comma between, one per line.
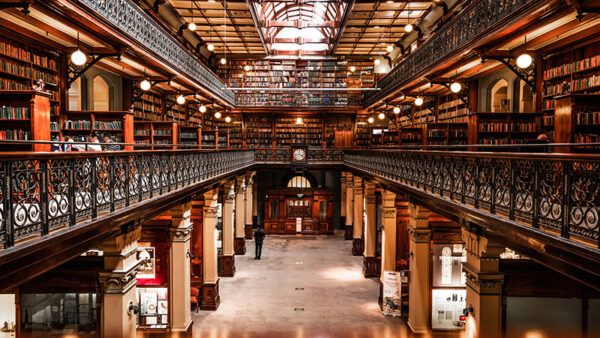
x=371, y=119
x=409, y=27
x=223, y=61
x=227, y=119
x=145, y=85
x=299, y=120
x=192, y=26
x=396, y=110
x=247, y=68
x=524, y=60
x=381, y=116
x=180, y=99
x=376, y=62
x=78, y=57
x=217, y=115
x=210, y=47
x=419, y=101
x=390, y=48
x=455, y=87
x=202, y=109
x=352, y=69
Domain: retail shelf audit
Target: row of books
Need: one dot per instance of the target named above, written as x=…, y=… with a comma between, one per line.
x=548, y=120
x=6, y=48
x=523, y=127
x=7, y=112
x=78, y=124
x=162, y=132
x=587, y=138
x=15, y=134
x=108, y=125
x=576, y=66
x=588, y=118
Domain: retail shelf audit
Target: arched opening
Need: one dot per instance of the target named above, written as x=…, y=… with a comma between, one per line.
x=499, y=97
x=101, y=94
x=75, y=95
x=526, y=98
x=298, y=182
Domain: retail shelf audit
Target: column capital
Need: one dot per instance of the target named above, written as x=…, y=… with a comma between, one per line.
x=481, y=247
x=483, y=283
x=419, y=235
x=419, y=216
x=119, y=281
x=180, y=234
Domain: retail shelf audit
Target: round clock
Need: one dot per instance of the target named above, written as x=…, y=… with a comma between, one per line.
x=299, y=154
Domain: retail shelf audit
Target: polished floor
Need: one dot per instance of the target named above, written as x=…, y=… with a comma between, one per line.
x=302, y=287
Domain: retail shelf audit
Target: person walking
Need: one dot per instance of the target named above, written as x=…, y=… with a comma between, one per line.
x=259, y=236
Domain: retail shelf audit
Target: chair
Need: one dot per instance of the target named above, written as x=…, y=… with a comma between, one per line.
x=194, y=298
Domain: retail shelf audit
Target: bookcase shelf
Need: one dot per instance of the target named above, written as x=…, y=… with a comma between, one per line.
x=155, y=132
x=25, y=116
x=259, y=132
x=81, y=125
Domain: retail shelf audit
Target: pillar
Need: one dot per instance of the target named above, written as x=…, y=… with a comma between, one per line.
x=248, y=207
x=117, y=283
x=343, y=199
x=389, y=238
x=357, y=232
x=370, y=239
x=419, y=286
x=197, y=219
x=180, y=234
x=240, y=218
x=484, y=285
x=210, y=285
x=227, y=261
x=349, y=231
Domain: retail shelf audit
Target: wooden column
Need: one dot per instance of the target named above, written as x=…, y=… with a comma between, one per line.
x=343, y=199
x=117, y=283
x=227, y=263
x=388, y=246
x=240, y=214
x=348, y=233
x=180, y=233
x=484, y=285
x=420, y=266
x=248, y=197
x=370, y=239
x=357, y=233
x=197, y=219
x=210, y=286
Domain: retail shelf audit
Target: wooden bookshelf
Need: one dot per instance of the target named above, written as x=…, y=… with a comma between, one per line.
x=411, y=136
x=441, y=133
x=362, y=131
x=81, y=125
x=337, y=129
x=259, y=132
x=149, y=107
x=189, y=135
x=25, y=115
x=504, y=128
x=452, y=110
x=155, y=132
x=289, y=133
x=232, y=130
x=577, y=120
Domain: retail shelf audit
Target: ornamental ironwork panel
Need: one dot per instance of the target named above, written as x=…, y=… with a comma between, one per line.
x=476, y=20
x=561, y=194
x=140, y=27
x=52, y=191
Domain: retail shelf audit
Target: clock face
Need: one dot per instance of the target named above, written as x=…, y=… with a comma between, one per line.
x=299, y=154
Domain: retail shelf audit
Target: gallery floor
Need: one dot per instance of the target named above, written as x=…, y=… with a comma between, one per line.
x=302, y=287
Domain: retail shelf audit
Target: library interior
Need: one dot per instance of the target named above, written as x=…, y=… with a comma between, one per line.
x=300, y=168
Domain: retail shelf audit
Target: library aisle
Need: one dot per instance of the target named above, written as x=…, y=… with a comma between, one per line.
x=313, y=273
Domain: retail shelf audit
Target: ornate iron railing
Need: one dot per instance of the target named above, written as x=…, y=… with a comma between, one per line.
x=284, y=155
x=40, y=192
x=560, y=193
x=475, y=21
x=141, y=28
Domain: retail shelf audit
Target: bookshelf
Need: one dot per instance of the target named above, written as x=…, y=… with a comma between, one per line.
x=338, y=131
x=209, y=139
x=155, y=132
x=233, y=131
x=363, y=131
x=149, y=107
x=441, y=133
x=289, y=133
x=577, y=120
x=25, y=115
x=259, y=133
x=452, y=110
x=81, y=125
x=189, y=135
x=411, y=136
x=505, y=128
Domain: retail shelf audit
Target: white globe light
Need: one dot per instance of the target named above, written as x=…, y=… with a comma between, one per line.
x=396, y=110
x=192, y=26
x=352, y=68
x=78, y=58
x=228, y=119
x=180, y=99
x=408, y=28
x=381, y=116
x=377, y=62
x=419, y=101
x=299, y=120
x=390, y=48
x=210, y=47
x=145, y=85
x=246, y=68
x=524, y=61
x=371, y=120
x=203, y=109
x=217, y=115
x=455, y=87
x=223, y=61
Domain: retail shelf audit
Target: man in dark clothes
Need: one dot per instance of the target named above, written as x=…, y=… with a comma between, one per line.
x=259, y=236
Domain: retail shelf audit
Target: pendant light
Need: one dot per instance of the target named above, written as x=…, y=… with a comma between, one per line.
x=299, y=120
x=381, y=116
x=524, y=60
x=371, y=119
x=218, y=115
x=180, y=99
x=376, y=62
x=192, y=26
x=202, y=109
x=145, y=84
x=409, y=27
x=224, y=59
x=396, y=110
x=227, y=119
x=78, y=57
x=419, y=101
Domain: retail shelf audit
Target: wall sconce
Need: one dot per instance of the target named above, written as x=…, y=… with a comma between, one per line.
x=468, y=310
x=132, y=309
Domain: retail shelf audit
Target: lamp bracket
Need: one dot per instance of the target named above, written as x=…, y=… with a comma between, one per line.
x=138, y=92
x=585, y=10
x=527, y=75
x=462, y=95
x=74, y=72
x=22, y=4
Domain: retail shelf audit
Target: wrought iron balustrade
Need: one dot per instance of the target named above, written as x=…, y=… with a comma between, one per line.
x=478, y=19
x=284, y=155
x=141, y=28
x=40, y=192
x=560, y=193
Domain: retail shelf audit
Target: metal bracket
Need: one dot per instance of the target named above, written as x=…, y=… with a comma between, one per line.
x=585, y=10
x=74, y=72
x=462, y=95
x=23, y=4
x=527, y=75
x=138, y=92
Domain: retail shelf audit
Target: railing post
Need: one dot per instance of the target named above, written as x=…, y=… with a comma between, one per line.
x=44, y=195
x=94, y=162
x=72, y=208
x=151, y=176
x=566, y=200
x=111, y=184
x=126, y=174
x=511, y=211
x=477, y=184
x=140, y=178
x=463, y=178
x=493, y=188
x=536, y=194
x=8, y=205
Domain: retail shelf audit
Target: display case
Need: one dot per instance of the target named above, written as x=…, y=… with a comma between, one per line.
x=448, y=287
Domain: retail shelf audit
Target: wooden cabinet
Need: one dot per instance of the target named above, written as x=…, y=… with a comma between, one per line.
x=284, y=206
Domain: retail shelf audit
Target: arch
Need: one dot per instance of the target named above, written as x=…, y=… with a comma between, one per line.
x=298, y=181
x=75, y=95
x=103, y=92
x=526, y=98
x=498, y=96
x=308, y=176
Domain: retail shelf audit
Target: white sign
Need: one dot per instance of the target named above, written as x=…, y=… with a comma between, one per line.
x=392, y=293
x=298, y=225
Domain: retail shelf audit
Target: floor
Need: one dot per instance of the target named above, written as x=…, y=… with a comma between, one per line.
x=302, y=287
